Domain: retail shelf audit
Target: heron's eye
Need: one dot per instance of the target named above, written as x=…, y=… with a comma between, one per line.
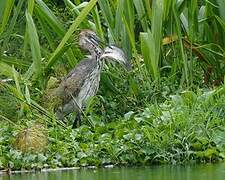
x=92, y=35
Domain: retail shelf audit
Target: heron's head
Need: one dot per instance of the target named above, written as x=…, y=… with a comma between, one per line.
x=116, y=54
x=88, y=40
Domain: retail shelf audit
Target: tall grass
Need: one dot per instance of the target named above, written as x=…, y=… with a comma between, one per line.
x=123, y=22
x=170, y=39
x=187, y=20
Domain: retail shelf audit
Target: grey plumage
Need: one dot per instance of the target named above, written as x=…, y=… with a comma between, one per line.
x=80, y=84
x=83, y=81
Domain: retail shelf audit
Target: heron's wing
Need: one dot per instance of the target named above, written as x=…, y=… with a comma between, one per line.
x=73, y=82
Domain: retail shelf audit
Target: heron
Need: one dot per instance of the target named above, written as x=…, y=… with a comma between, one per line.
x=82, y=82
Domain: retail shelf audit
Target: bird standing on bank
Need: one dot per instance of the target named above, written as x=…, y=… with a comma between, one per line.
x=83, y=81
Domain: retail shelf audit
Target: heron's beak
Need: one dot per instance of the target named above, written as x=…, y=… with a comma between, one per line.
x=116, y=54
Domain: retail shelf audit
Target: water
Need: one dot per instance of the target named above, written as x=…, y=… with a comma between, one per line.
x=194, y=172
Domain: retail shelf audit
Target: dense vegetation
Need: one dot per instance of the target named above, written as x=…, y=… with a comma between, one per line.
x=170, y=108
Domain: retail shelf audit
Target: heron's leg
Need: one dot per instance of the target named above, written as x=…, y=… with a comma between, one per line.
x=59, y=114
x=77, y=120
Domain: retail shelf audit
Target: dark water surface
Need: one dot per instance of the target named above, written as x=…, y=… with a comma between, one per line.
x=193, y=172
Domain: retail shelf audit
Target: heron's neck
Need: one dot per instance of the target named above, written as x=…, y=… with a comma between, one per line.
x=96, y=53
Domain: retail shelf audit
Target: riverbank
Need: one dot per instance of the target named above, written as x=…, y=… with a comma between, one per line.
x=187, y=128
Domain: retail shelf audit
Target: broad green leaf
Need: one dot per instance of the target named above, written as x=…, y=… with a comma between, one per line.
x=6, y=14
x=192, y=19
x=221, y=4
x=12, y=24
x=97, y=21
x=17, y=90
x=182, y=52
x=148, y=51
x=107, y=13
x=35, y=46
x=2, y=8
x=156, y=29
x=141, y=13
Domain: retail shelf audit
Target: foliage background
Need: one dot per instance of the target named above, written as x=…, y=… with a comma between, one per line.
x=168, y=108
